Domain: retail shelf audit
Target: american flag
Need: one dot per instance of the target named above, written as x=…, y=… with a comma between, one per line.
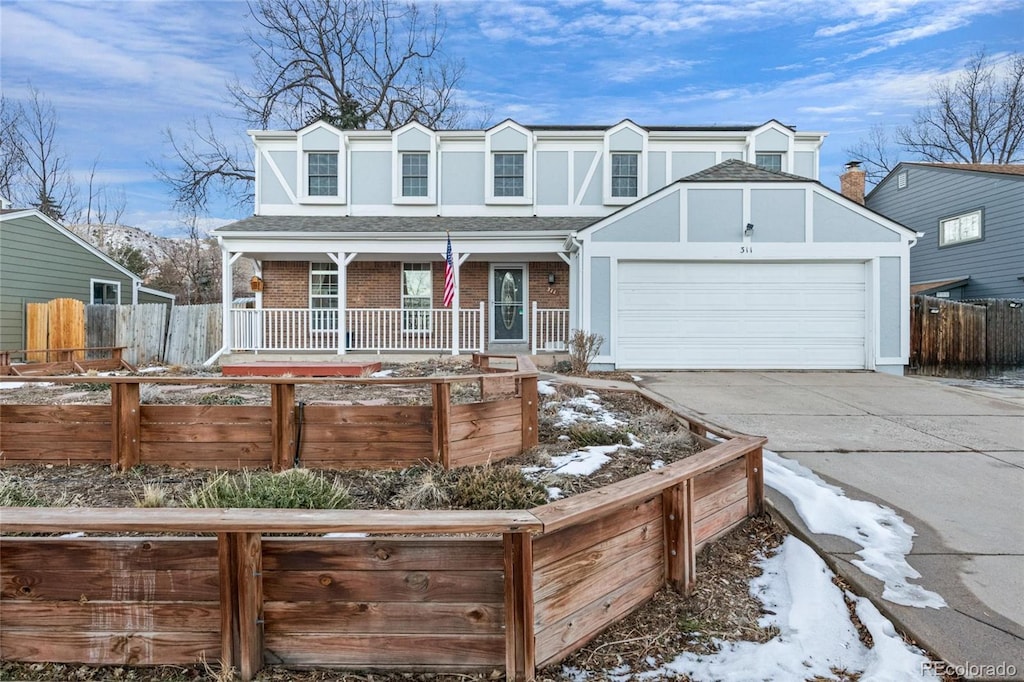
x=449, y=276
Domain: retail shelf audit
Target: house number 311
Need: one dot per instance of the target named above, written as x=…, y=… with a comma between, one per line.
x=746, y=249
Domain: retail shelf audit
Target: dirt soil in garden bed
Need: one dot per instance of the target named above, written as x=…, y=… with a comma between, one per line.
x=570, y=418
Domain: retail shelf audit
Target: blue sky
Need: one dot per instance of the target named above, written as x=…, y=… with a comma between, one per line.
x=121, y=72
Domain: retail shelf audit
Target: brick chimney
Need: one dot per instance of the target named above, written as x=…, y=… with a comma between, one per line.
x=851, y=182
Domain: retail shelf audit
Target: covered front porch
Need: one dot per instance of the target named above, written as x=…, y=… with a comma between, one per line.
x=380, y=330
x=385, y=293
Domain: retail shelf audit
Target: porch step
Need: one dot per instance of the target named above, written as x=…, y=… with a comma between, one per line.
x=301, y=369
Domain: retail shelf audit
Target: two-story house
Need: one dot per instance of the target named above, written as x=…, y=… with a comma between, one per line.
x=972, y=217
x=681, y=246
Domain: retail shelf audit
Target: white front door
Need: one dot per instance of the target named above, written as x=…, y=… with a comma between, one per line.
x=715, y=315
x=508, y=303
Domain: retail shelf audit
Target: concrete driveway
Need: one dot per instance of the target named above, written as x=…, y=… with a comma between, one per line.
x=948, y=459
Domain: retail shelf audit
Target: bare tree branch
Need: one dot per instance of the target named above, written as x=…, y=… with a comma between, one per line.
x=46, y=179
x=977, y=117
x=12, y=156
x=353, y=63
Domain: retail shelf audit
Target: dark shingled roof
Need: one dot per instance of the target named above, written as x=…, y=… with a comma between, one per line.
x=405, y=224
x=1002, y=168
x=734, y=170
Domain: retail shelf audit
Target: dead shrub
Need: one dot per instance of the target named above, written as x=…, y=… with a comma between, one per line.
x=583, y=348
x=586, y=434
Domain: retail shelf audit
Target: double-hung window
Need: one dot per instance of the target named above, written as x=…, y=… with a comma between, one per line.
x=323, y=296
x=323, y=174
x=417, y=297
x=508, y=175
x=415, y=174
x=624, y=175
x=965, y=227
x=770, y=162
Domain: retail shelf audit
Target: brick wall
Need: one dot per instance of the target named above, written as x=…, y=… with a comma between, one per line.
x=378, y=284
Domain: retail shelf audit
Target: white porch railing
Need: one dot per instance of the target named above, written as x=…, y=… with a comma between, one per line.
x=366, y=329
x=549, y=329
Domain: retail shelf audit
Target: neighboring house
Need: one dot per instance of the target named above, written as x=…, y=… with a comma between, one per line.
x=40, y=260
x=972, y=217
x=556, y=228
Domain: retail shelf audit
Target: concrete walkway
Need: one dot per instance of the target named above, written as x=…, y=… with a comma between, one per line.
x=948, y=459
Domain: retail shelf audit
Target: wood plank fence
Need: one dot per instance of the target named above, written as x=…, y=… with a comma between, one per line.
x=127, y=432
x=148, y=332
x=140, y=329
x=957, y=338
x=526, y=590
x=195, y=333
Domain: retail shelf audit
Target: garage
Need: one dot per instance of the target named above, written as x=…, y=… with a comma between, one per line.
x=700, y=315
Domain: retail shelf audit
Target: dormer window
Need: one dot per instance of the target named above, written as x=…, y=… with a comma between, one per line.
x=769, y=161
x=508, y=164
x=625, y=160
x=323, y=174
x=625, y=175
x=415, y=174
x=509, y=170
x=414, y=165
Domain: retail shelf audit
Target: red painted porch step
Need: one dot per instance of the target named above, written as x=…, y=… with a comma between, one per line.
x=301, y=369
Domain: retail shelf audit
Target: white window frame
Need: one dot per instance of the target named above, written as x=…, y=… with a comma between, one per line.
x=977, y=214
x=494, y=175
x=324, y=318
x=425, y=314
x=779, y=155
x=397, y=156
x=92, y=290
x=528, y=160
x=635, y=176
x=426, y=174
x=310, y=176
x=641, y=164
x=302, y=166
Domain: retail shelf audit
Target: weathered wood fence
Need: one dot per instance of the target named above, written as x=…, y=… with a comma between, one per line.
x=194, y=334
x=148, y=332
x=140, y=329
x=526, y=590
x=127, y=432
x=965, y=338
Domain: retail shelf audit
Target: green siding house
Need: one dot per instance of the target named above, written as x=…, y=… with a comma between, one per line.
x=41, y=260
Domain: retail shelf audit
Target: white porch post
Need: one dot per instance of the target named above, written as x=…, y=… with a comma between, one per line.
x=342, y=259
x=457, y=260
x=227, y=259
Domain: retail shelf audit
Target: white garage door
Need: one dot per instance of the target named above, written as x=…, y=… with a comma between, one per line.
x=741, y=315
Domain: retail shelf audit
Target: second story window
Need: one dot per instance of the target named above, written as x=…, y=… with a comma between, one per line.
x=323, y=174
x=960, y=229
x=414, y=175
x=770, y=162
x=508, y=175
x=624, y=175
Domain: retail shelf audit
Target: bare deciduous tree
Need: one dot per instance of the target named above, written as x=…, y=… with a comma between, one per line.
x=191, y=269
x=354, y=63
x=977, y=117
x=47, y=179
x=12, y=156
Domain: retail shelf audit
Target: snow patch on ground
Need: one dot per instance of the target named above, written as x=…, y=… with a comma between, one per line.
x=586, y=408
x=815, y=632
x=545, y=388
x=885, y=538
x=152, y=370
x=382, y=374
